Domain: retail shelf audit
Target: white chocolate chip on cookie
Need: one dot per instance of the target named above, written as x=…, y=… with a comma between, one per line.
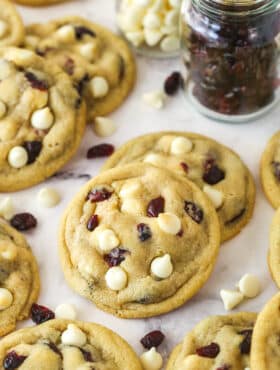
x=116, y=278
x=66, y=33
x=42, y=119
x=216, y=196
x=169, y=223
x=162, y=267
x=181, y=145
x=107, y=239
x=6, y=298
x=151, y=360
x=18, y=157
x=99, y=87
x=73, y=336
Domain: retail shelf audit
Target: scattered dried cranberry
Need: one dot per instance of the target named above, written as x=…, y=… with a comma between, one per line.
x=12, y=360
x=69, y=66
x=92, y=222
x=99, y=195
x=23, y=221
x=276, y=166
x=180, y=233
x=144, y=232
x=152, y=339
x=101, y=150
x=155, y=207
x=224, y=367
x=184, y=166
x=194, y=211
x=115, y=257
x=80, y=31
x=33, y=149
x=87, y=355
x=212, y=173
x=210, y=351
x=173, y=83
x=245, y=345
x=40, y=314
x=35, y=82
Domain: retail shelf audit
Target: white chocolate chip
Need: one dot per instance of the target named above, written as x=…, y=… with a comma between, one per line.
x=6, y=208
x=151, y=360
x=155, y=99
x=31, y=41
x=99, y=87
x=3, y=109
x=48, y=197
x=135, y=37
x=18, y=157
x=65, y=311
x=157, y=6
x=131, y=19
x=153, y=159
x=73, y=336
x=231, y=298
x=129, y=190
x=6, y=69
x=42, y=119
x=216, y=196
x=162, y=267
x=66, y=33
x=116, y=278
x=152, y=36
x=19, y=55
x=8, y=251
x=107, y=239
x=170, y=44
x=181, y=145
x=144, y=3
x=6, y=298
x=87, y=51
x=3, y=28
x=104, y=126
x=169, y=223
x=151, y=21
x=132, y=206
x=249, y=285
x=172, y=18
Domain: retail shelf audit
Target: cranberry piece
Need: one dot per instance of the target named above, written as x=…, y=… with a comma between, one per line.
x=80, y=31
x=152, y=339
x=40, y=314
x=245, y=345
x=12, y=360
x=92, y=222
x=87, y=355
x=194, y=211
x=180, y=233
x=276, y=166
x=144, y=232
x=81, y=84
x=173, y=83
x=115, y=257
x=99, y=195
x=23, y=221
x=155, y=207
x=101, y=150
x=69, y=66
x=54, y=348
x=35, y=82
x=213, y=174
x=210, y=351
x=224, y=367
x=33, y=149
x=184, y=166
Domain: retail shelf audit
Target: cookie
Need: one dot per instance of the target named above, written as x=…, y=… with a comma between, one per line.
x=139, y=241
x=274, y=250
x=70, y=345
x=270, y=170
x=38, y=2
x=42, y=119
x=11, y=26
x=19, y=278
x=265, y=344
x=216, y=169
x=100, y=63
x=218, y=343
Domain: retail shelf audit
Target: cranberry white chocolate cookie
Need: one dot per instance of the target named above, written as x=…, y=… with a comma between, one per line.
x=217, y=343
x=274, y=250
x=19, y=278
x=68, y=345
x=99, y=62
x=216, y=169
x=139, y=240
x=270, y=170
x=42, y=119
x=11, y=26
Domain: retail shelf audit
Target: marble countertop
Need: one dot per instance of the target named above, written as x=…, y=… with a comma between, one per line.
x=245, y=253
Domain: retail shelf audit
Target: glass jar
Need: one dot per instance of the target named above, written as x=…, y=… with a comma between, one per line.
x=150, y=26
x=231, y=52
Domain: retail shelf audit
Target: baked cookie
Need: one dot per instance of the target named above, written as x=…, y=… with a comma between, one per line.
x=99, y=62
x=216, y=169
x=270, y=170
x=68, y=345
x=218, y=343
x=265, y=345
x=274, y=250
x=11, y=26
x=139, y=241
x=38, y=2
x=19, y=278
x=42, y=119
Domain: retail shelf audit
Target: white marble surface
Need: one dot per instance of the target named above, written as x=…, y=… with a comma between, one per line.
x=246, y=253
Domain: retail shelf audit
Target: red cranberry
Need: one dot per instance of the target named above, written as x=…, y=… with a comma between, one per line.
x=33, y=149
x=54, y=348
x=213, y=174
x=92, y=222
x=87, y=355
x=35, y=82
x=101, y=150
x=115, y=257
x=99, y=195
x=144, y=232
x=80, y=31
x=69, y=66
x=194, y=211
x=184, y=166
x=210, y=351
x=81, y=84
x=40, y=314
x=12, y=360
x=23, y=221
x=155, y=207
x=152, y=339
x=245, y=345
x=180, y=233
x=276, y=166
x=173, y=83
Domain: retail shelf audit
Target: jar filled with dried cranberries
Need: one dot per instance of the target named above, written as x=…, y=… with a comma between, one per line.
x=231, y=52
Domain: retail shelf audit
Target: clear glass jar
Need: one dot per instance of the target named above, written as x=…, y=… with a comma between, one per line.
x=150, y=26
x=231, y=52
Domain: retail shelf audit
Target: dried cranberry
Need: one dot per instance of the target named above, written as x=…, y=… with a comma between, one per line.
x=213, y=174
x=180, y=233
x=276, y=166
x=101, y=150
x=245, y=345
x=81, y=84
x=35, y=82
x=144, y=232
x=12, y=360
x=23, y=221
x=92, y=222
x=40, y=314
x=210, y=351
x=194, y=211
x=115, y=257
x=173, y=83
x=99, y=195
x=80, y=31
x=54, y=348
x=224, y=367
x=87, y=355
x=155, y=207
x=69, y=66
x=184, y=166
x=152, y=339
x=33, y=149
